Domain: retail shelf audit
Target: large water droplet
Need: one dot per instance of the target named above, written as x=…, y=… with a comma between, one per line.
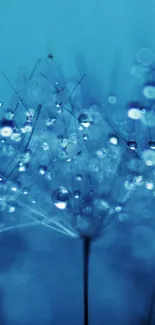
x=149, y=91
x=149, y=157
x=61, y=197
x=132, y=144
x=84, y=120
x=145, y=56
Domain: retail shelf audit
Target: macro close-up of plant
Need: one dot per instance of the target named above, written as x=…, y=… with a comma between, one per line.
x=77, y=165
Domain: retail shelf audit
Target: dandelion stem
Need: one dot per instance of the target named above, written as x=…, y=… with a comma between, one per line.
x=86, y=256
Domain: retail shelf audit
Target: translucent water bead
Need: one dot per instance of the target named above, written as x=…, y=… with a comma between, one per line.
x=148, y=119
x=61, y=197
x=9, y=115
x=149, y=157
x=151, y=145
x=12, y=207
x=145, y=56
x=149, y=91
x=134, y=113
x=132, y=144
x=84, y=121
x=149, y=185
x=113, y=139
x=112, y=99
x=6, y=128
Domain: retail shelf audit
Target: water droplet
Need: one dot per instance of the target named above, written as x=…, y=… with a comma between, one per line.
x=42, y=169
x=149, y=91
x=25, y=191
x=12, y=207
x=112, y=99
x=118, y=208
x=61, y=198
x=113, y=139
x=149, y=157
x=6, y=128
x=148, y=119
x=134, y=113
x=132, y=144
x=85, y=137
x=58, y=105
x=15, y=187
x=21, y=167
x=77, y=194
x=79, y=177
x=27, y=128
x=63, y=155
x=145, y=56
x=149, y=185
x=84, y=120
x=9, y=115
x=152, y=145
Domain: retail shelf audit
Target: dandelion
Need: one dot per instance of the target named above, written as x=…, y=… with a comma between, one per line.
x=69, y=165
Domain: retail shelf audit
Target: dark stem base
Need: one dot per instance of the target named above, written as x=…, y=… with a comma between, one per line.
x=86, y=256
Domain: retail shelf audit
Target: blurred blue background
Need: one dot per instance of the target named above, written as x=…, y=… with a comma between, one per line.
x=41, y=271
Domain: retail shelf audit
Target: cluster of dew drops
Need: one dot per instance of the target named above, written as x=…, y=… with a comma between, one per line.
x=72, y=163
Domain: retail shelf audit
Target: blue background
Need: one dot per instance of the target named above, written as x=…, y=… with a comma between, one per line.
x=40, y=270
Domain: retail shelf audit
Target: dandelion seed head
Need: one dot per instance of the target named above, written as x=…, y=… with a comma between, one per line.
x=80, y=166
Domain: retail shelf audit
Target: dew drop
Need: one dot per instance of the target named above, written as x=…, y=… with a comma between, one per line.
x=145, y=56
x=113, y=139
x=79, y=177
x=42, y=169
x=152, y=145
x=9, y=115
x=149, y=157
x=149, y=91
x=12, y=207
x=85, y=137
x=118, y=208
x=6, y=128
x=84, y=120
x=134, y=113
x=149, y=185
x=15, y=187
x=61, y=198
x=77, y=194
x=112, y=99
x=132, y=144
